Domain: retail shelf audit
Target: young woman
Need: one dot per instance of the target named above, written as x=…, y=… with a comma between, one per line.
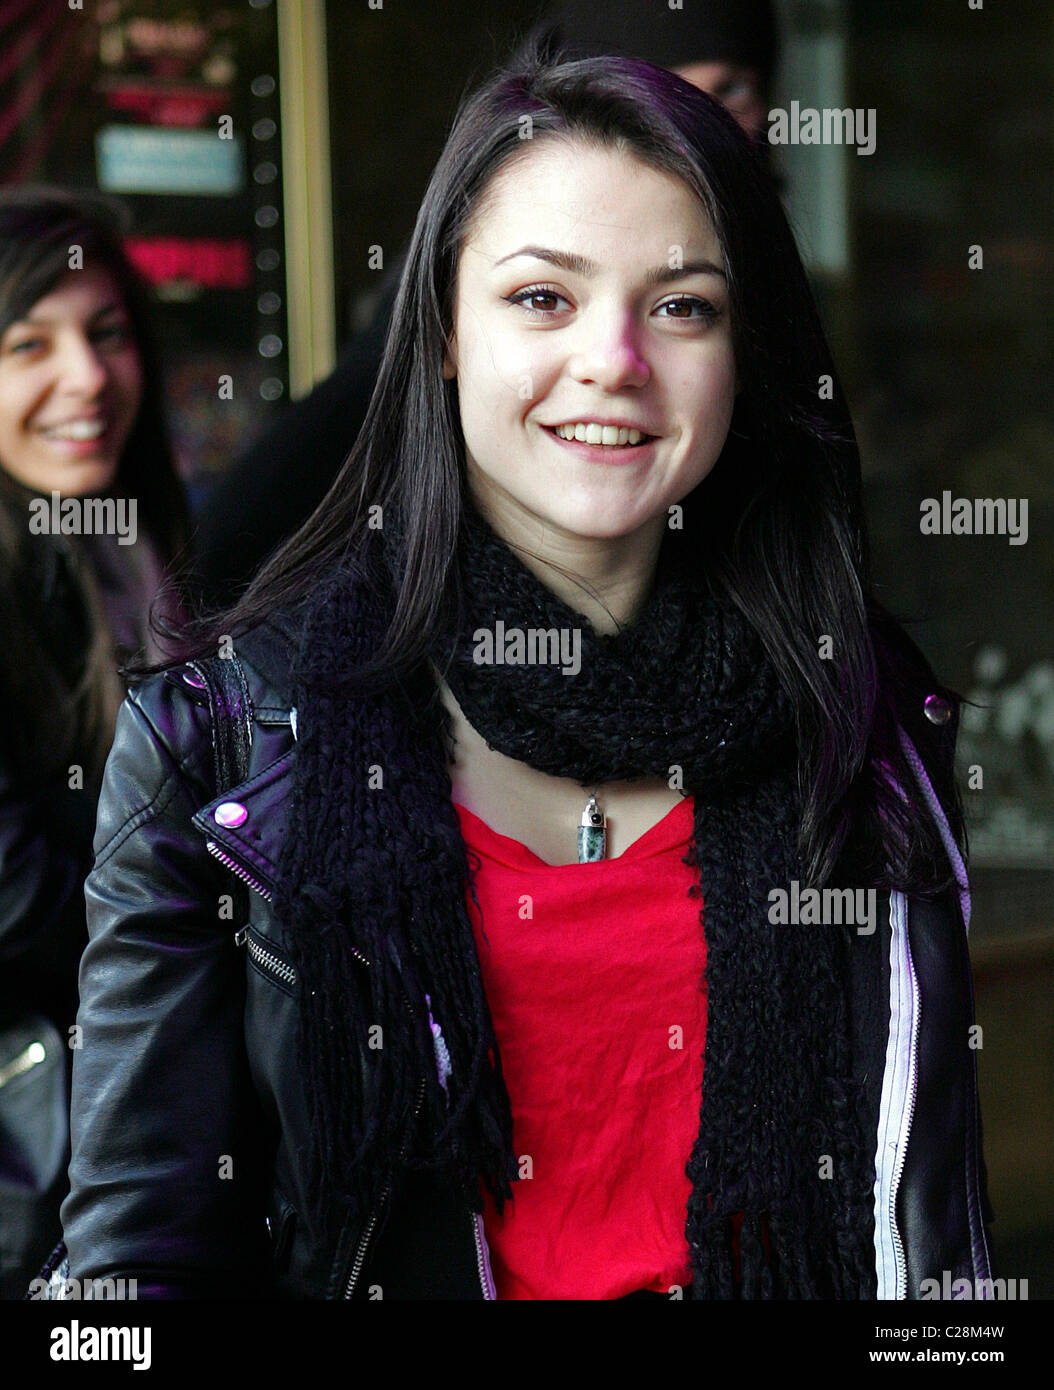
x=728, y=50
x=552, y=720
x=80, y=424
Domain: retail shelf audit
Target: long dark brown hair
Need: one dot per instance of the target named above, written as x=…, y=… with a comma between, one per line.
x=779, y=518
x=63, y=705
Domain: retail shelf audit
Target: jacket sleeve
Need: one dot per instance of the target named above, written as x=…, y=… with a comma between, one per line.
x=45, y=854
x=166, y=1182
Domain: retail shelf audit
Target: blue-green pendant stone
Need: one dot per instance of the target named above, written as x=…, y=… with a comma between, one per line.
x=592, y=841
x=592, y=834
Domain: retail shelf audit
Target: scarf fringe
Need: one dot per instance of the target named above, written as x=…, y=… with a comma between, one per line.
x=382, y=870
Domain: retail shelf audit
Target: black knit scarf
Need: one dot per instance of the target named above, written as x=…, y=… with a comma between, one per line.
x=401, y=1065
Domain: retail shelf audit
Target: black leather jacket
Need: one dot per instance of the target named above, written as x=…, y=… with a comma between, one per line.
x=188, y=1112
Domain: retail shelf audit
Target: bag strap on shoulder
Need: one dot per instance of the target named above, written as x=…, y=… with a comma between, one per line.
x=231, y=713
x=231, y=710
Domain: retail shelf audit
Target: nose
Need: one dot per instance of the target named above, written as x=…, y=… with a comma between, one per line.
x=609, y=353
x=83, y=370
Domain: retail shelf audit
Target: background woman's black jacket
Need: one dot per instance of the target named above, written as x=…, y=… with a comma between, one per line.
x=46, y=831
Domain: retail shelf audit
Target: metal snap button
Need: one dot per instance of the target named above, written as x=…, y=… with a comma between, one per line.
x=230, y=813
x=938, y=711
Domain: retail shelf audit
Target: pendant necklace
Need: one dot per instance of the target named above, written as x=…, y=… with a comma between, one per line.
x=592, y=832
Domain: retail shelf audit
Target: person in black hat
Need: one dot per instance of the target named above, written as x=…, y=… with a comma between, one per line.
x=728, y=48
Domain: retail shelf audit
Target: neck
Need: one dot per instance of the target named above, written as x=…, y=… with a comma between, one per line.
x=605, y=578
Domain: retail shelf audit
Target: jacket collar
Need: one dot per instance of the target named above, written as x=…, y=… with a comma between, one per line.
x=247, y=824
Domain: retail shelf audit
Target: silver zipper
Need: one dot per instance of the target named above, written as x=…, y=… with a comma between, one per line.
x=237, y=870
x=364, y=1239
x=264, y=958
x=899, y=1256
x=240, y=937
x=486, y=1278
x=963, y=884
x=27, y=1059
x=897, y=1104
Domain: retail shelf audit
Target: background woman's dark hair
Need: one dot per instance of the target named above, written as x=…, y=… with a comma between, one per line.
x=38, y=226
x=779, y=518
x=58, y=722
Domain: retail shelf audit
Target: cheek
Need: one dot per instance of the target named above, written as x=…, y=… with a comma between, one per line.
x=501, y=370
x=18, y=402
x=716, y=389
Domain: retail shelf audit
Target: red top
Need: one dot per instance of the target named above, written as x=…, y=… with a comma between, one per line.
x=594, y=975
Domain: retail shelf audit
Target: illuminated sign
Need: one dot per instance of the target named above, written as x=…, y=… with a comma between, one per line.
x=204, y=261
x=142, y=159
x=175, y=106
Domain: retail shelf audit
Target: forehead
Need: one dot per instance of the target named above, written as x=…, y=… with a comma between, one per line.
x=596, y=200
x=78, y=293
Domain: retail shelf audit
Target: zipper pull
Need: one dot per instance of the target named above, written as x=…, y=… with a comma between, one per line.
x=30, y=1057
x=241, y=936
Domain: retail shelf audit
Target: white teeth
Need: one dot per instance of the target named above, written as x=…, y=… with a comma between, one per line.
x=78, y=429
x=600, y=434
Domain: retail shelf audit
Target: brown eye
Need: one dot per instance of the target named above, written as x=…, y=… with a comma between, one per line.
x=685, y=308
x=525, y=298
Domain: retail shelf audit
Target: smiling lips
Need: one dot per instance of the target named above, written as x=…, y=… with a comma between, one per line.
x=82, y=428
x=610, y=435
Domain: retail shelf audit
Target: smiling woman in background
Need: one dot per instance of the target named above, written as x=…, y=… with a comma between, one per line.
x=80, y=417
x=576, y=666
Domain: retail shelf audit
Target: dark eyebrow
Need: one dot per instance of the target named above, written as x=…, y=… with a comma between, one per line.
x=581, y=265
x=115, y=308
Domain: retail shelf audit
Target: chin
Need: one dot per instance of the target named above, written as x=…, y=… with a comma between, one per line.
x=93, y=475
x=600, y=519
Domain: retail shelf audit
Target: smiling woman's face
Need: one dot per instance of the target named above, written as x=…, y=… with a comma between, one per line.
x=590, y=291
x=70, y=387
